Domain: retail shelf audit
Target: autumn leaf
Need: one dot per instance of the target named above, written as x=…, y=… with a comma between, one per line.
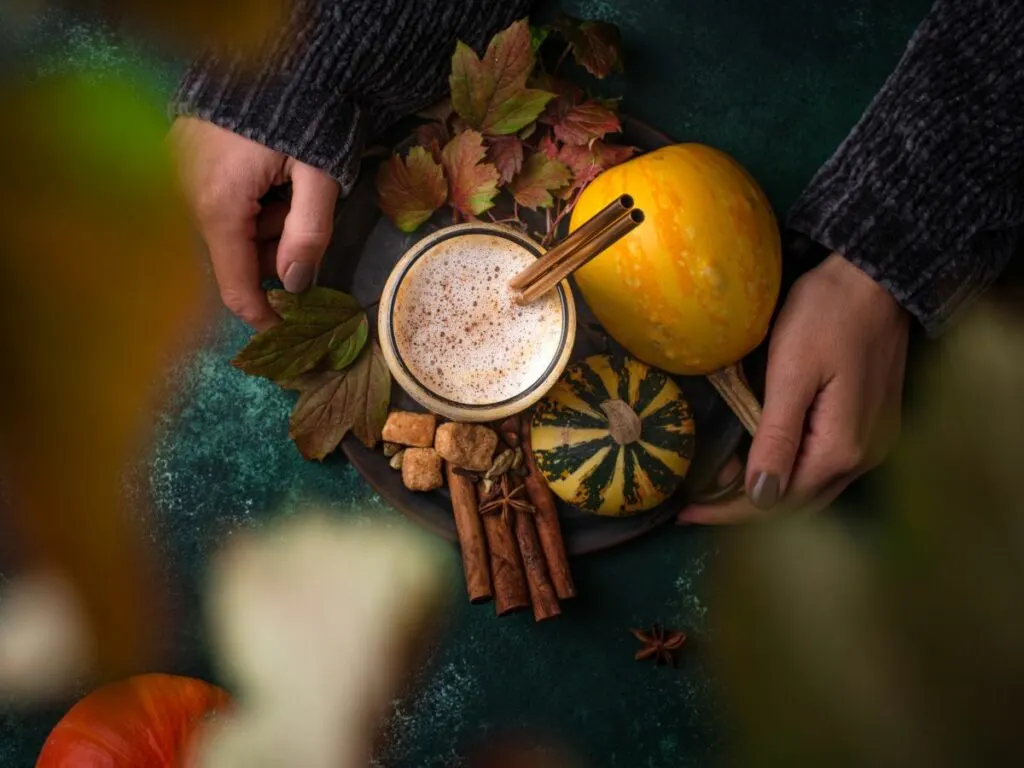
x=596, y=45
x=540, y=176
x=490, y=94
x=548, y=146
x=581, y=162
x=537, y=37
x=318, y=324
x=410, y=190
x=609, y=155
x=506, y=152
x=567, y=96
x=472, y=183
x=586, y=122
x=432, y=134
x=332, y=403
x=587, y=162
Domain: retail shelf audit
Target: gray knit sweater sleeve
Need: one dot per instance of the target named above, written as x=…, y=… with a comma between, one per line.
x=340, y=71
x=926, y=195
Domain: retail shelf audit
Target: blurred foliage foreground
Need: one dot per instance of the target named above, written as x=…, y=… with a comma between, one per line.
x=905, y=648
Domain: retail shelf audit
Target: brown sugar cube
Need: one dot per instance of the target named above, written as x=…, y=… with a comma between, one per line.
x=407, y=428
x=469, y=446
x=421, y=469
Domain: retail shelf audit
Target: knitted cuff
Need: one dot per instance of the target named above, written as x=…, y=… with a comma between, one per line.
x=319, y=126
x=923, y=194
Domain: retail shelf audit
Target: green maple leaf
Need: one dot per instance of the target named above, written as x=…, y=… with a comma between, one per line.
x=472, y=183
x=541, y=175
x=316, y=325
x=333, y=403
x=596, y=45
x=490, y=94
x=410, y=190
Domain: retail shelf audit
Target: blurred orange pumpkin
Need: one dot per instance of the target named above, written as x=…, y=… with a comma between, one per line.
x=692, y=290
x=146, y=721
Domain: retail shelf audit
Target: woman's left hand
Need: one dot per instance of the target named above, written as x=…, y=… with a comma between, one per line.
x=833, y=394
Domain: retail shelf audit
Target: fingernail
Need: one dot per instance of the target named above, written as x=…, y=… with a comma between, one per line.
x=299, y=276
x=765, y=492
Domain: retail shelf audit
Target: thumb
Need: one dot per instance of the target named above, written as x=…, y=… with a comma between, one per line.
x=307, y=227
x=789, y=392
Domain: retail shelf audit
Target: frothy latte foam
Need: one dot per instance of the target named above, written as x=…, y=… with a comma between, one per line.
x=459, y=332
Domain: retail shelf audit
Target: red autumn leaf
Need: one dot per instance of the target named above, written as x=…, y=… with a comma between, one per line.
x=490, y=94
x=472, y=183
x=586, y=122
x=609, y=155
x=548, y=146
x=410, y=190
x=567, y=96
x=582, y=163
x=506, y=152
x=540, y=176
x=596, y=45
x=433, y=133
x=587, y=162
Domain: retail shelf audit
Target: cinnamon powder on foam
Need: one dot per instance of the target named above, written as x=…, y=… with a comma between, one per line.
x=458, y=329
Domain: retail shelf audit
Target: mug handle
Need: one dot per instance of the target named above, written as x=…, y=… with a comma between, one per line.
x=719, y=493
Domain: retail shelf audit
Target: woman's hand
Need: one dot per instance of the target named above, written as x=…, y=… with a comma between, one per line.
x=833, y=392
x=225, y=176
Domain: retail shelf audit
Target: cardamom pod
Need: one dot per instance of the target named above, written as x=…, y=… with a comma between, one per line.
x=501, y=465
x=390, y=449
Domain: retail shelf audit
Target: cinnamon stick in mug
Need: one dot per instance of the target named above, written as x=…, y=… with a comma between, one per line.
x=507, y=575
x=472, y=543
x=549, y=527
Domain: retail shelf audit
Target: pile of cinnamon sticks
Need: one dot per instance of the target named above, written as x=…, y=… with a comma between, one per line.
x=514, y=552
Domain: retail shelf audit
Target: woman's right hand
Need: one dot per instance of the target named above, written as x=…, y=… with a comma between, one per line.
x=225, y=176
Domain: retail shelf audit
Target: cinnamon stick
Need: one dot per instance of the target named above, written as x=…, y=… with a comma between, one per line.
x=475, y=562
x=549, y=528
x=542, y=593
x=507, y=575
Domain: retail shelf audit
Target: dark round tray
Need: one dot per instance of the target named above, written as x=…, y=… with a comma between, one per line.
x=366, y=247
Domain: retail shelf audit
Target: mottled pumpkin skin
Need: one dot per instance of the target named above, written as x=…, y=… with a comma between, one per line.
x=146, y=721
x=576, y=453
x=692, y=289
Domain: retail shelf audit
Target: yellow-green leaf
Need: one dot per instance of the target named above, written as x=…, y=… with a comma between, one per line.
x=541, y=175
x=472, y=183
x=410, y=190
x=490, y=94
x=321, y=323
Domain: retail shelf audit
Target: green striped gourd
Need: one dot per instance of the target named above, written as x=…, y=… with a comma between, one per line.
x=613, y=436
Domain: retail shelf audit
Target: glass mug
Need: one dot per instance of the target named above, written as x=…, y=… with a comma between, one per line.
x=453, y=336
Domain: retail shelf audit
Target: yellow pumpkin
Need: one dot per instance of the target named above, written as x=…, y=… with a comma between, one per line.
x=692, y=289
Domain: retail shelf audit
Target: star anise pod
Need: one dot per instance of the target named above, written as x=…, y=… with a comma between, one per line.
x=509, y=499
x=659, y=644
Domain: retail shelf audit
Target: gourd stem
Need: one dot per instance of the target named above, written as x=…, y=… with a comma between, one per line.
x=623, y=423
